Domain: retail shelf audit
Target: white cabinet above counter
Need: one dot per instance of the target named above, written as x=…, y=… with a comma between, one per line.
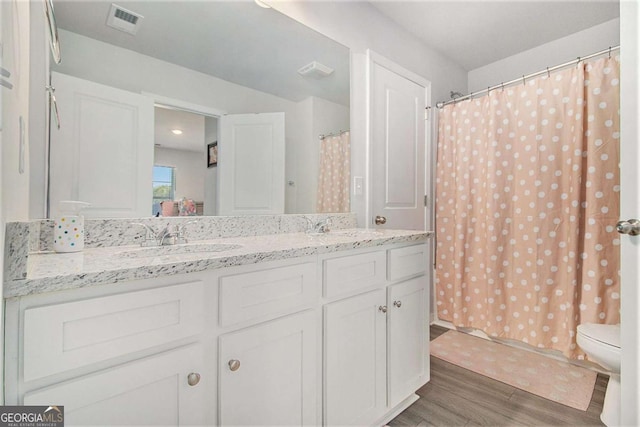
x=272, y=332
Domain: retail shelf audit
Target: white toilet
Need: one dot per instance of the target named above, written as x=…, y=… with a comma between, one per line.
x=601, y=343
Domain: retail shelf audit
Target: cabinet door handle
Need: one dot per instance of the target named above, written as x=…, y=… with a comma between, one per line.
x=383, y=308
x=397, y=304
x=234, y=364
x=193, y=378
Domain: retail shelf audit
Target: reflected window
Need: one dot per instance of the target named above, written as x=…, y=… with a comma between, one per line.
x=164, y=187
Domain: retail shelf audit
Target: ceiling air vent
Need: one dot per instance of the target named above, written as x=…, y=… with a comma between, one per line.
x=316, y=70
x=123, y=19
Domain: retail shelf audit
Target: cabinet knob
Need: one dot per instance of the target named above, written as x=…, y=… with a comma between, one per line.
x=383, y=308
x=397, y=304
x=234, y=364
x=193, y=378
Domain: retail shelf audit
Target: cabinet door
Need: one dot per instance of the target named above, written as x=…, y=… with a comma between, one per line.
x=407, y=339
x=151, y=391
x=355, y=350
x=268, y=373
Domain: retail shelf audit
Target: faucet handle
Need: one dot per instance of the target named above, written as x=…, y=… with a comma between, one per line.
x=150, y=233
x=181, y=228
x=323, y=226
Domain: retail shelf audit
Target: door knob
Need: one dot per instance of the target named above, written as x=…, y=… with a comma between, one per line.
x=397, y=304
x=630, y=227
x=193, y=378
x=380, y=220
x=383, y=308
x=234, y=364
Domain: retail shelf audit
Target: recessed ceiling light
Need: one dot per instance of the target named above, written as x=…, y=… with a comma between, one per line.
x=262, y=4
x=176, y=131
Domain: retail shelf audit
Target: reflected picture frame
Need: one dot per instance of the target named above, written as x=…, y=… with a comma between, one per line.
x=212, y=154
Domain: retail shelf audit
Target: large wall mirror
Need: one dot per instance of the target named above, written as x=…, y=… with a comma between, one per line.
x=197, y=108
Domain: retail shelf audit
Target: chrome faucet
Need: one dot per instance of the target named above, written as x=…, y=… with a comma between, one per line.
x=321, y=226
x=165, y=236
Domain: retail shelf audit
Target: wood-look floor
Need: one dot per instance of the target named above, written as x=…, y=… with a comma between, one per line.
x=458, y=397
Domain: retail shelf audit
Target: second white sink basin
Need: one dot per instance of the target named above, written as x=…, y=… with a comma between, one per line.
x=355, y=232
x=187, y=248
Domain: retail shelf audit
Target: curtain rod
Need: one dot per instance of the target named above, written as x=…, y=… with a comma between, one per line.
x=524, y=78
x=323, y=136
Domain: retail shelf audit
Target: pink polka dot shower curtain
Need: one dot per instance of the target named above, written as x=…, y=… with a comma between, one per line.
x=334, y=174
x=527, y=198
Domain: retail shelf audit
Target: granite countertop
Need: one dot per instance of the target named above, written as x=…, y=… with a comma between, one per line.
x=50, y=271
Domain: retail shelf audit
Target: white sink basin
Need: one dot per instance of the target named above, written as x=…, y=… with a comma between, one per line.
x=350, y=233
x=187, y=248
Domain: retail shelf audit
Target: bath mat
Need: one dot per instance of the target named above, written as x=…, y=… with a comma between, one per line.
x=551, y=379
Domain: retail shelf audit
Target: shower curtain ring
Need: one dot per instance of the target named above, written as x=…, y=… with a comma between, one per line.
x=578, y=63
x=609, y=52
x=523, y=80
x=548, y=73
x=502, y=86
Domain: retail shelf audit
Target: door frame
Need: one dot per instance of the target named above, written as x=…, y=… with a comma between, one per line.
x=189, y=107
x=178, y=104
x=372, y=59
x=629, y=208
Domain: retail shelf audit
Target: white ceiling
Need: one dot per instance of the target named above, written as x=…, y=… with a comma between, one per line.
x=474, y=33
x=191, y=125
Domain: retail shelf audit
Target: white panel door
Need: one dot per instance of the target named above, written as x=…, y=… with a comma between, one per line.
x=355, y=365
x=630, y=208
x=268, y=373
x=251, y=164
x=397, y=145
x=103, y=151
x=408, y=365
x=153, y=391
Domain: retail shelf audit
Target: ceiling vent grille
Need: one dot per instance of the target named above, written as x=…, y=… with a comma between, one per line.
x=123, y=19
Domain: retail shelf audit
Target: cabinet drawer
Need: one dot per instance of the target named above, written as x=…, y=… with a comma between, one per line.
x=65, y=336
x=263, y=293
x=409, y=261
x=350, y=273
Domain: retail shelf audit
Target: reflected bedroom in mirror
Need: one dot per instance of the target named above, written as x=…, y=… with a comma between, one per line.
x=143, y=97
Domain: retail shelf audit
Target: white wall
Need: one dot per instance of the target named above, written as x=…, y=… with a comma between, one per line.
x=549, y=54
x=15, y=197
x=190, y=169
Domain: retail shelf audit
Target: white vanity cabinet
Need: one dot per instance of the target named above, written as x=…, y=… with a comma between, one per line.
x=330, y=339
x=376, y=342
x=268, y=373
x=127, y=358
x=267, y=370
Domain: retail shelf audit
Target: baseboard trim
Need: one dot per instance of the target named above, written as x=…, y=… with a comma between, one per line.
x=397, y=410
